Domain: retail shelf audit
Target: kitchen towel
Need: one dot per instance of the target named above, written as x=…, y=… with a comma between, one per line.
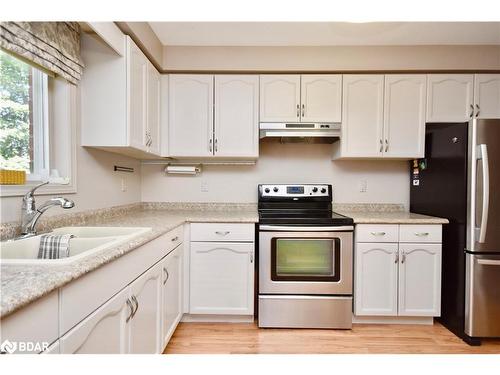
x=54, y=246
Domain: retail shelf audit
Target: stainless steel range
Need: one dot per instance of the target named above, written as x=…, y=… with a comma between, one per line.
x=305, y=258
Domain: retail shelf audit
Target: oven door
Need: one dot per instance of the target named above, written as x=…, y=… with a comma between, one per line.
x=305, y=260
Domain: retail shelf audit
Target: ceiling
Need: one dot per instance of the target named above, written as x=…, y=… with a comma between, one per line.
x=326, y=33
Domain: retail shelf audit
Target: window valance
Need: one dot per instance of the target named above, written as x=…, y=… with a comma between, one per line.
x=54, y=46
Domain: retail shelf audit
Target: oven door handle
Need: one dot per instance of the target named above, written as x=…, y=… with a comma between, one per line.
x=283, y=228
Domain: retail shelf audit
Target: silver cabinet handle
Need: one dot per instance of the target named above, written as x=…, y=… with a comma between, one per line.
x=210, y=145
x=136, y=306
x=381, y=146
x=165, y=271
x=478, y=110
x=471, y=111
x=251, y=257
x=223, y=233
x=403, y=258
x=421, y=234
x=129, y=304
x=386, y=145
x=174, y=238
x=397, y=258
x=378, y=233
x=298, y=111
x=216, y=141
x=486, y=192
x=303, y=110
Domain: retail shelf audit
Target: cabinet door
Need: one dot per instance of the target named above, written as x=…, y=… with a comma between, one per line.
x=222, y=278
x=280, y=98
x=104, y=332
x=487, y=95
x=362, y=115
x=420, y=279
x=449, y=97
x=321, y=98
x=145, y=325
x=171, y=294
x=190, y=115
x=376, y=279
x=154, y=96
x=404, y=116
x=137, y=96
x=236, y=116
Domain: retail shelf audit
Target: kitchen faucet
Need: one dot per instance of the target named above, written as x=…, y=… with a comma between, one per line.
x=31, y=214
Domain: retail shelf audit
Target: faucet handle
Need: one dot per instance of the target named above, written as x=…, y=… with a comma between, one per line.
x=30, y=193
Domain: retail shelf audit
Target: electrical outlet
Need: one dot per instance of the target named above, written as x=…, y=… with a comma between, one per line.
x=363, y=186
x=204, y=186
x=123, y=185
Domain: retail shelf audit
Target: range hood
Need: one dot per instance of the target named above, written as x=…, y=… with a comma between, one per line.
x=299, y=132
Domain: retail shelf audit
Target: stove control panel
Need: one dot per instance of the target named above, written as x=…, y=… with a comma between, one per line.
x=308, y=190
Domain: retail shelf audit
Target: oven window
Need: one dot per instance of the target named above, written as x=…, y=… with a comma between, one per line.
x=311, y=259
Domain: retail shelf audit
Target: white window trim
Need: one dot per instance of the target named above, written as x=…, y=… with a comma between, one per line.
x=69, y=99
x=41, y=145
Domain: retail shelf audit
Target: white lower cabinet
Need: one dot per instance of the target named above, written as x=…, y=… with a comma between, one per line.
x=420, y=280
x=172, y=267
x=398, y=278
x=145, y=323
x=222, y=278
x=103, y=332
x=376, y=279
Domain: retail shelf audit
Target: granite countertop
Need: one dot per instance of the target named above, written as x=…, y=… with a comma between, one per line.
x=383, y=213
x=22, y=284
x=398, y=217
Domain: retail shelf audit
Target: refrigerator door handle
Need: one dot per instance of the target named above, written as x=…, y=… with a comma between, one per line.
x=483, y=155
x=488, y=262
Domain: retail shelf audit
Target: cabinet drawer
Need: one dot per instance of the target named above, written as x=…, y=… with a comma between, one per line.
x=420, y=233
x=377, y=233
x=222, y=232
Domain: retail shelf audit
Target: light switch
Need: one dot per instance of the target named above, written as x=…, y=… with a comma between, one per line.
x=204, y=186
x=363, y=186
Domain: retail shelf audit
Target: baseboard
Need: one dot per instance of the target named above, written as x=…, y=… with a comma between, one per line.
x=424, y=320
x=206, y=318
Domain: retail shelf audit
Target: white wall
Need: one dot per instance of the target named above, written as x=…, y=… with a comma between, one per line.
x=388, y=181
x=339, y=58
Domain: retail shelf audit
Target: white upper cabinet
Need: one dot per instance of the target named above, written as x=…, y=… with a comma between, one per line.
x=321, y=98
x=487, y=95
x=376, y=279
x=404, y=116
x=280, y=98
x=362, y=116
x=236, y=116
x=420, y=279
x=120, y=99
x=137, y=74
x=300, y=98
x=450, y=97
x=190, y=116
x=204, y=125
x=153, y=133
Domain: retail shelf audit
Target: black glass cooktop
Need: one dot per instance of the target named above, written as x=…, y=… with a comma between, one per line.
x=303, y=217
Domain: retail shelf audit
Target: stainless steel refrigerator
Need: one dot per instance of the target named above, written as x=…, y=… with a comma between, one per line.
x=459, y=179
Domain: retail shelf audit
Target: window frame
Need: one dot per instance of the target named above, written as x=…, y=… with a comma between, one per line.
x=62, y=109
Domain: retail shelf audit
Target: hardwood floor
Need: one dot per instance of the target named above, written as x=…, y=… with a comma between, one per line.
x=247, y=338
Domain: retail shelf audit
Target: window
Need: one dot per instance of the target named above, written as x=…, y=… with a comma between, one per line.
x=24, y=125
